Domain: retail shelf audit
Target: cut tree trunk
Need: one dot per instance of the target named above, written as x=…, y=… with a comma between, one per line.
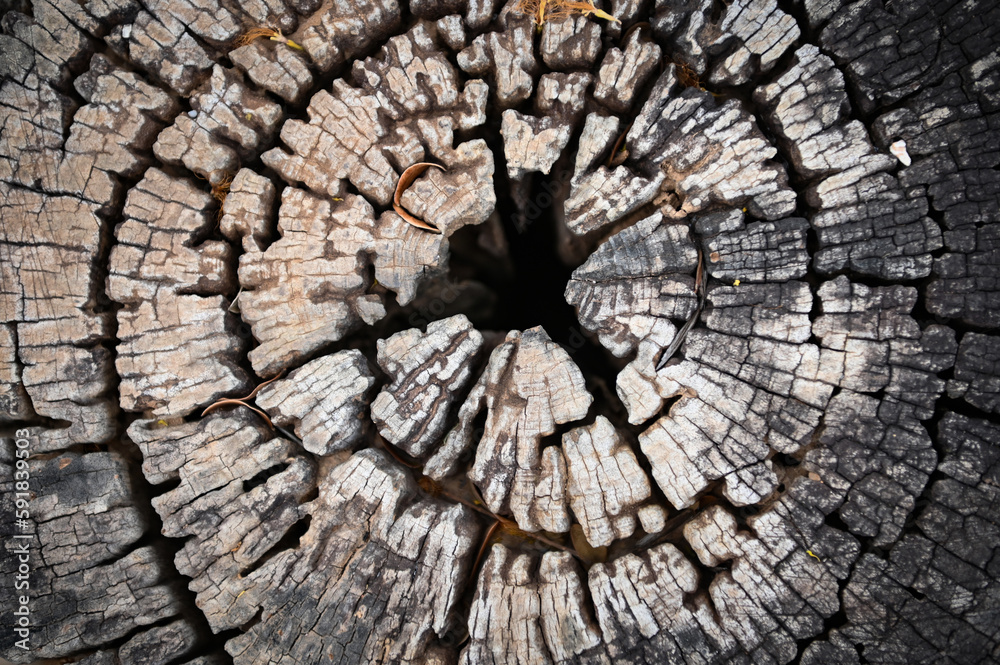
x=265, y=400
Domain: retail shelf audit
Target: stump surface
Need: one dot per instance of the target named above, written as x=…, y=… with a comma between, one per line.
x=687, y=350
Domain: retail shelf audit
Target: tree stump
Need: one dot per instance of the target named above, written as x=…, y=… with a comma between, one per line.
x=678, y=343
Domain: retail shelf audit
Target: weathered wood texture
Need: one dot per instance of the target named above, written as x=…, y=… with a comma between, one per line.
x=773, y=436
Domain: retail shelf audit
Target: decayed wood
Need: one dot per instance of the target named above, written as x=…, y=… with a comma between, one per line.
x=865, y=219
x=631, y=288
x=603, y=196
x=428, y=372
x=563, y=96
x=751, y=35
x=343, y=29
x=65, y=372
x=605, y=482
x=528, y=388
x=227, y=123
x=509, y=56
x=735, y=394
x=571, y=42
x=623, y=72
x=977, y=373
x=14, y=401
x=823, y=502
x=316, y=258
x=168, y=366
x=755, y=251
x=275, y=68
x=324, y=400
x=688, y=135
x=230, y=522
x=247, y=210
x=353, y=133
x=531, y=144
x=940, y=574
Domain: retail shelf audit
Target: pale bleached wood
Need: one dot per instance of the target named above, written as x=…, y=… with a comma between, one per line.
x=177, y=350
x=323, y=401
x=230, y=122
x=605, y=482
x=274, y=67
x=531, y=144
x=428, y=372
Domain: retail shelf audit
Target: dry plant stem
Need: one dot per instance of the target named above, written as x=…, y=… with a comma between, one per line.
x=405, y=180
x=485, y=545
x=614, y=159
x=236, y=402
x=391, y=449
x=701, y=279
x=509, y=525
x=242, y=401
x=641, y=25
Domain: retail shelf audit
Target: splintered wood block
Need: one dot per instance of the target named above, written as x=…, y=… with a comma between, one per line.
x=730, y=46
x=48, y=245
x=522, y=406
x=177, y=350
x=571, y=42
x=230, y=122
x=247, y=211
x=376, y=540
x=710, y=152
x=531, y=144
x=606, y=482
x=14, y=401
x=635, y=283
x=509, y=55
x=428, y=371
x=282, y=71
x=324, y=401
x=622, y=73
x=799, y=584
x=316, y=259
x=357, y=133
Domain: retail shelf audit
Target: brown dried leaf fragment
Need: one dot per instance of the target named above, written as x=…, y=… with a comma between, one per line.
x=271, y=33
x=405, y=180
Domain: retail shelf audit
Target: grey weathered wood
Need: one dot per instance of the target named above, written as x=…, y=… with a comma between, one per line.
x=814, y=397
x=977, y=375
x=323, y=400
x=429, y=371
x=167, y=366
x=635, y=284
x=528, y=388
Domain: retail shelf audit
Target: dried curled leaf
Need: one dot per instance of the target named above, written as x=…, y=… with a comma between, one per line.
x=405, y=180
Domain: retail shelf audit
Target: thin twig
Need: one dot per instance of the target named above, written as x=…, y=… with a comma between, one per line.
x=700, y=287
